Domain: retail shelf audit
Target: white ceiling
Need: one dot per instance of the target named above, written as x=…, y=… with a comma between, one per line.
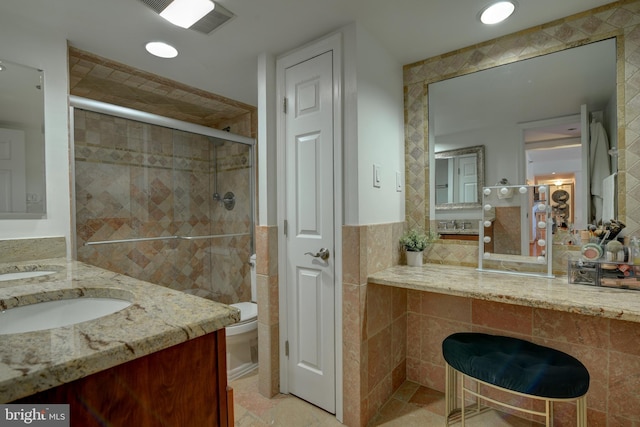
x=225, y=61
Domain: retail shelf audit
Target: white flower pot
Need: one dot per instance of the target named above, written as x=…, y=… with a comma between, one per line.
x=414, y=259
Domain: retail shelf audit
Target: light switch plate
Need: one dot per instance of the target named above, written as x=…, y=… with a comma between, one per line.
x=398, y=181
x=377, y=179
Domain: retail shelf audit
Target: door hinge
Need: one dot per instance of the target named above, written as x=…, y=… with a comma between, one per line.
x=286, y=348
x=284, y=105
x=286, y=227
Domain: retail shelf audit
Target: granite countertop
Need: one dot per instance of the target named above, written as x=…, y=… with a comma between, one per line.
x=158, y=318
x=548, y=293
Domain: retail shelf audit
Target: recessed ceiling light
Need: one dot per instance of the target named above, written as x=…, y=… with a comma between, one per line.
x=185, y=13
x=161, y=49
x=497, y=12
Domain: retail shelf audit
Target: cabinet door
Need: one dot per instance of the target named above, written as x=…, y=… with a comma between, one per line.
x=182, y=386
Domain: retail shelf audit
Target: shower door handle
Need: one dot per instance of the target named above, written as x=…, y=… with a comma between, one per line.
x=323, y=254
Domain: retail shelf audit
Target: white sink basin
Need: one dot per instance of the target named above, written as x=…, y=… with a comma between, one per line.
x=55, y=314
x=25, y=274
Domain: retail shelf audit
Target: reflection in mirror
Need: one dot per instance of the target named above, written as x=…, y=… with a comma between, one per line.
x=22, y=163
x=516, y=234
x=533, y=117
x=459, y=177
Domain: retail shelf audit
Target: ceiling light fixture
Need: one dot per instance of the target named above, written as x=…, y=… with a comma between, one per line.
x=161, y=49
x=497, y=12
x=185, y=13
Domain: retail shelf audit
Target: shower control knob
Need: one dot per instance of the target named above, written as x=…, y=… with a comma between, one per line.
x=323, y=254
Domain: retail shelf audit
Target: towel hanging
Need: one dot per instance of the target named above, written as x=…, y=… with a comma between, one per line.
x=599, y=167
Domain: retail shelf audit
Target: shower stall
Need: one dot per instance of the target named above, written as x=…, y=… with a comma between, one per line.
x=164, y=201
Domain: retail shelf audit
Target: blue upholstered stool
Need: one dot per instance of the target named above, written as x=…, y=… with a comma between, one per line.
x=515, y=366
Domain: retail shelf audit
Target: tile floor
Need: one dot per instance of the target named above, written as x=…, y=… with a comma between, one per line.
x=411, y=405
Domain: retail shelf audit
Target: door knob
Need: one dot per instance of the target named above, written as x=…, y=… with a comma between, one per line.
x=323, y=254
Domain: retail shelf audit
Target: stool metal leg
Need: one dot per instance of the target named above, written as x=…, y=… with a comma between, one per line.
x=548, y=410
x=581, y=411
x=451, y=391
x=464, y=399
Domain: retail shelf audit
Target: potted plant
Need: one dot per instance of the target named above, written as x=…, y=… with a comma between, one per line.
x=415, y=241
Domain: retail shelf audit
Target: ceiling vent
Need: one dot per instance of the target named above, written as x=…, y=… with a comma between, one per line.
x=206, y=25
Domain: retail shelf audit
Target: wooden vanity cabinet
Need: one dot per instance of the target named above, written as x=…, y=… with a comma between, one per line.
x=472, y=237
x=182, y=386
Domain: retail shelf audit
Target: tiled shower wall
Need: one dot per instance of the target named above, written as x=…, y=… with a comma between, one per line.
x=135, y=180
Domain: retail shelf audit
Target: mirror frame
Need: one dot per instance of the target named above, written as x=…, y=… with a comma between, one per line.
x=479, y=151
x=419, y=75
x=30, y=82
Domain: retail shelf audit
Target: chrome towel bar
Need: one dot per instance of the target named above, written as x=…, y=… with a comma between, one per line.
x=145, y=239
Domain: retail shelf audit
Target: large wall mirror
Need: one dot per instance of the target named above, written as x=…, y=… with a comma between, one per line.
x=22, y=158
x=533, y=118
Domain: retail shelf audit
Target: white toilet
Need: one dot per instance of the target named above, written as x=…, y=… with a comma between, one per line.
x=242, y=337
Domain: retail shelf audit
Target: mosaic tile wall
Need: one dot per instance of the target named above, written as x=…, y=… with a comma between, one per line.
x=621, y=19
x=135, y=180
x=102, y=79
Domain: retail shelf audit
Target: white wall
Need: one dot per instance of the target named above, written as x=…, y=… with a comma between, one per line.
x=267, y=142
x=28, y=44
x=378, y=135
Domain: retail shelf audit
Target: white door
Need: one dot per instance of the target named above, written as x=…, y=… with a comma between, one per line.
x=13, y=187
x=310, y=231
x=585, y=182
x=468, y=178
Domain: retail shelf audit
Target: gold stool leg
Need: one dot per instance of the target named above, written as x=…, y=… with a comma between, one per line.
x=464, y=399
x=451, y=391
x=581, y=411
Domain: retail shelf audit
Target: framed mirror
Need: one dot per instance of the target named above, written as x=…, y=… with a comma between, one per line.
x=22, y=139
x=517, y=230
x=533, y=118
x=459, y=177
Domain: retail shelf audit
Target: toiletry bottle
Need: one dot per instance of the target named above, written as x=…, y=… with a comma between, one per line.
x=635, y=250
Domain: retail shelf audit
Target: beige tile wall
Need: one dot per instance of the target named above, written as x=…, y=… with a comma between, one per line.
x=268, y=314
x=607, y=347
x=102, y=79
x=374, y=321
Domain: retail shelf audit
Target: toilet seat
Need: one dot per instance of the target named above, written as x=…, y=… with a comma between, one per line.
x=248, y=318
x=248, y=311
